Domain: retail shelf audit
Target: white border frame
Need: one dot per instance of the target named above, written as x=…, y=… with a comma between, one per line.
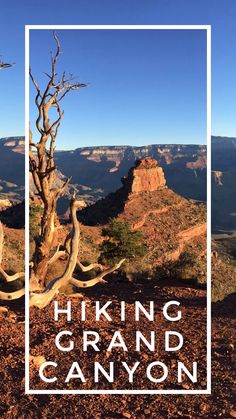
x=208, y=134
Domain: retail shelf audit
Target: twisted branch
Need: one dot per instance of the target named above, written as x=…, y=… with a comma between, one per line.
x=97, y=279
x=41, y=300
x=43, y=167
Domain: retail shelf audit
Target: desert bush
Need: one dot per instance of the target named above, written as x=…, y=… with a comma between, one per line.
x=186, y=269
x=121, y=242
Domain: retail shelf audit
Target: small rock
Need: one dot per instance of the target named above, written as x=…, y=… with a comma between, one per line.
x=37, y=361
x=203, y=407
x=127, y=415
x=217, y=355
x=231, y=346
x=232, y=413
x=185, y=386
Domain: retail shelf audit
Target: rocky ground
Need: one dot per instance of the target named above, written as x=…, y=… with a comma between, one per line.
x=193, y=303
x=14, y=403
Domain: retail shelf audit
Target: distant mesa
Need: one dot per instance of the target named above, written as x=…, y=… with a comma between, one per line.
x=199, y=163
x=145, y=176
x=170, y=223
x=15, y=144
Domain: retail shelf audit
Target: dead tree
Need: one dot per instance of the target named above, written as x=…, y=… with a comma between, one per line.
x=42, y=163
x=42, y=167
x=6, y=278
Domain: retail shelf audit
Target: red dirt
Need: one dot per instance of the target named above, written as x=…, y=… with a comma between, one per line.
x=220, y=404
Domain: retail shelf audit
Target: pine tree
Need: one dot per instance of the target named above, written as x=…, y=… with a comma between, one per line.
x=121, y=242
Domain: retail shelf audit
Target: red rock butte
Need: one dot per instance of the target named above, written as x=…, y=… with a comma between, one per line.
x=146, y=176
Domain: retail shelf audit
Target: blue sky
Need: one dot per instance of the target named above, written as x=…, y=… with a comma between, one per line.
x=144, y=87
x=169, y=70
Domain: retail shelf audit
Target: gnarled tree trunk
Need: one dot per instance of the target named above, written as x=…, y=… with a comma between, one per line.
x=42, y=165
x=44, y=242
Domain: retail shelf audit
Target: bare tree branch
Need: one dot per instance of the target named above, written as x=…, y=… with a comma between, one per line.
x=89, y=267
x=97, y=279
x=41, y=300
x=42, y=164
x=7, y=296
x=11, y=278
x=57, y=255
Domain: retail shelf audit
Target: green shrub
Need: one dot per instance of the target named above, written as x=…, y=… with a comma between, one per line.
x=121, y=242
x=186, y=269
x=34, y=221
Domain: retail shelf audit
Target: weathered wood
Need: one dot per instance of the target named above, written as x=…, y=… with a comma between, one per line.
x=53, y=288
x=42, y=164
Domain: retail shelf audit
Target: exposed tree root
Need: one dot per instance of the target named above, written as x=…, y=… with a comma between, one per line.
x=12, y=295
x=57, y=255
x=13, y=277
x=41, y=300
x=62, y=253
x=89, y=267
x=97, y=279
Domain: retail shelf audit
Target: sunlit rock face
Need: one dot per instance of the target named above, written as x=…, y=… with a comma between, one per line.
x=145, y=176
